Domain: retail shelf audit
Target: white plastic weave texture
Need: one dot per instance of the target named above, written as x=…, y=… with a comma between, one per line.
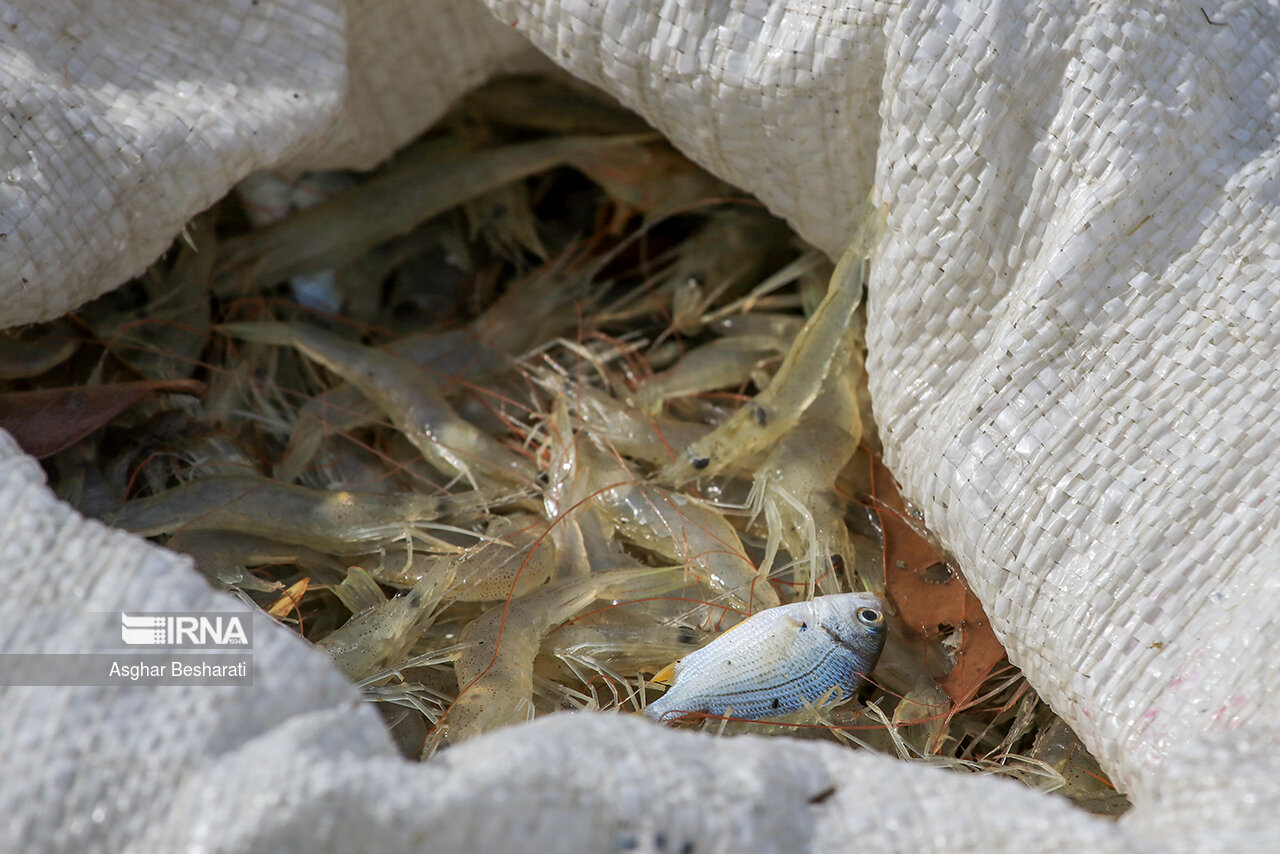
x=1074, y=358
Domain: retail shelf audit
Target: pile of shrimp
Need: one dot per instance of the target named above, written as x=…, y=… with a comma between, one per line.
x=515, y=422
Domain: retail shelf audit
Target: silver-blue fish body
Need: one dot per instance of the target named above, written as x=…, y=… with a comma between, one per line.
x=780, y=660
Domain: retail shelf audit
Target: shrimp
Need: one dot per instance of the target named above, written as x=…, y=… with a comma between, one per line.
x=674, y=526
x=384, y=633
x=495, y=670
x=681, y=528
x=619, y=645
x=406, y=394
x=421, y=182
x=779, y=661
x=795, y=487
x=823, y=345
x=512, y=562
x=517, y=558
x=621, y=427
x=343, y=408
x=336, y=522
x=577, y=529
x=530, y=312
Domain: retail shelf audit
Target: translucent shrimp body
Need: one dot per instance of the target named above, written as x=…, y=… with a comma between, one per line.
x=495, y=672
x=381, y=635
x=624, y=429
x=519, y=559
x=333, y=522
x=780, y=661
x=619, y=646
x=343, y=408
x=676, y=527
x=680, y=528
x=406, y=394
x=794, y=488
x=822, y=346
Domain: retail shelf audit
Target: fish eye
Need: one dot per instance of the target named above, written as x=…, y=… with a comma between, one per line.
x=870, y=616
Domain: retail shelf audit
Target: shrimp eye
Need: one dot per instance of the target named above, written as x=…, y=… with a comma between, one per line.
x=870, y=616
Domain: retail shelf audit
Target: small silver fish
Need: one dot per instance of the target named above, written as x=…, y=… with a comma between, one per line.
x=779, y=660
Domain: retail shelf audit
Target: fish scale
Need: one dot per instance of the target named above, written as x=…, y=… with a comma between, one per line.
x=780, y=660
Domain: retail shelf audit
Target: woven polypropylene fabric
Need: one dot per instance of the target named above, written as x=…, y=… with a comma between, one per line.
x=1074, y=362
x=124, y=118
x=1075, y=350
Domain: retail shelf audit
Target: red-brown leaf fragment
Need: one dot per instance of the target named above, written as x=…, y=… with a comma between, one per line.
x=929, y=595
x=49, y=420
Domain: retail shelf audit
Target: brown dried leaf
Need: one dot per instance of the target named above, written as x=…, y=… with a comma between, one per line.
x=49, y=420
x=978, y=654
x=929, y=595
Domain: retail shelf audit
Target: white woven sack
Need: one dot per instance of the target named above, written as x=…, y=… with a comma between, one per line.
x=1074, y=362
